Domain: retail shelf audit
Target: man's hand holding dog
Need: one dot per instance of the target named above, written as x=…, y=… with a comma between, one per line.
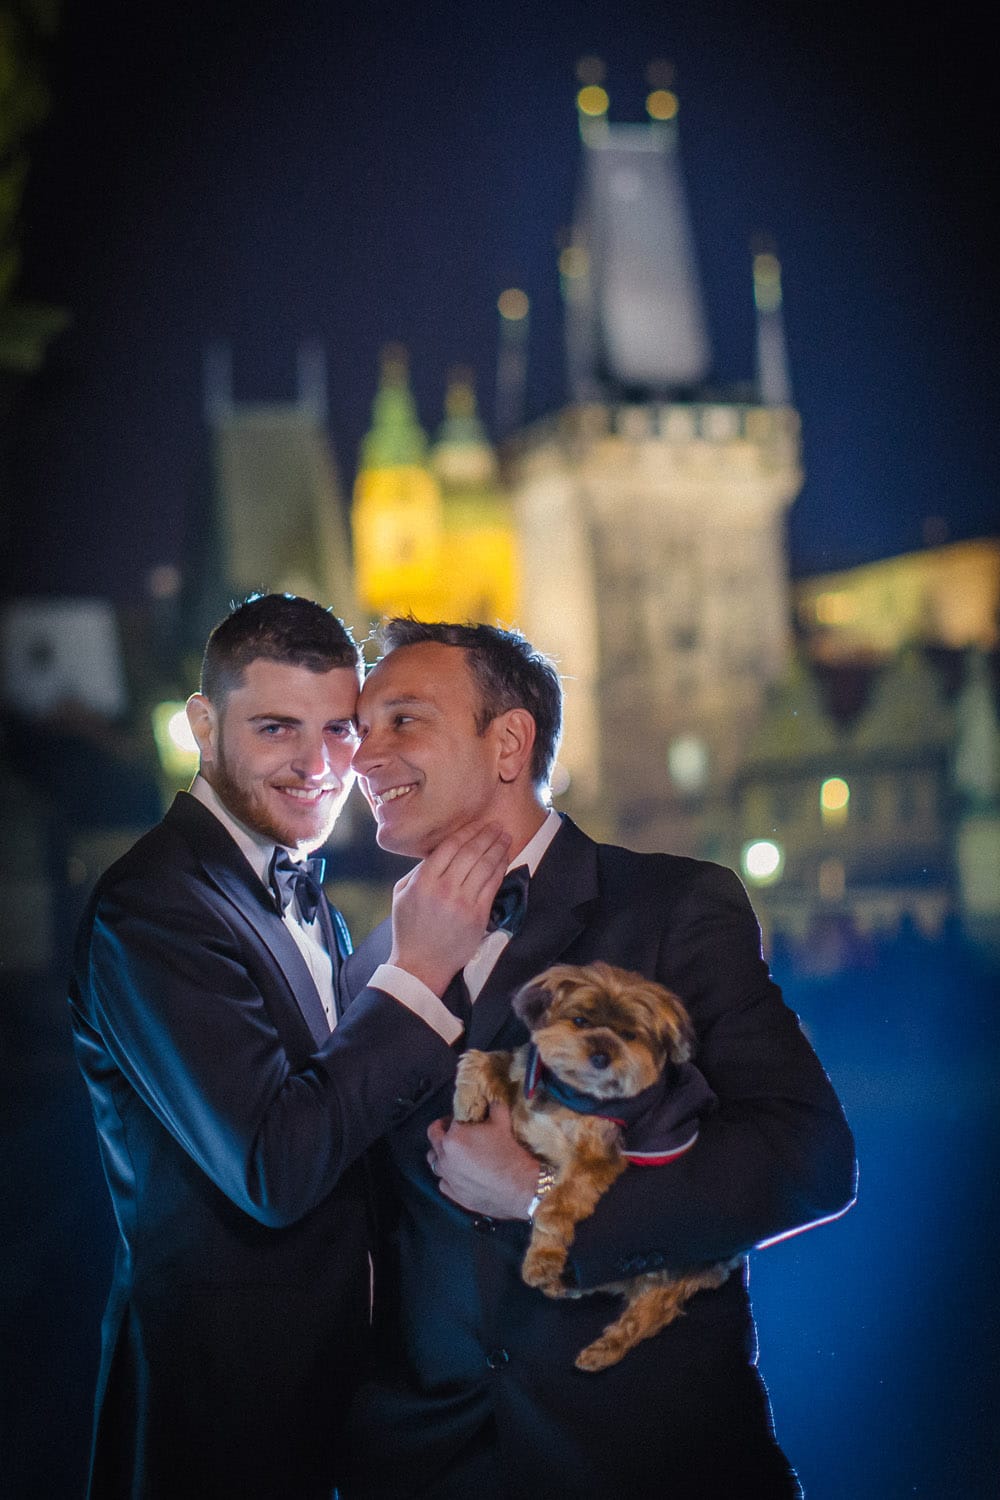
x=482, y=1167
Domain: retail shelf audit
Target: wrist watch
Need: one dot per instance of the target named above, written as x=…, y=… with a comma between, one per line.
x=546, y=1182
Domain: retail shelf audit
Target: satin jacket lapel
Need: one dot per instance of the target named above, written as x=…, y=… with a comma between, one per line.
x=338, y=944
x=226, y=868
x=559, y=900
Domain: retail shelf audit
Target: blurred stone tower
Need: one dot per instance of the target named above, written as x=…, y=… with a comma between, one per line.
x=275, y=516
x=651, y=513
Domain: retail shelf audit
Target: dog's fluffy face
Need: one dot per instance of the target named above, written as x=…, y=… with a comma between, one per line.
x=602, y=1030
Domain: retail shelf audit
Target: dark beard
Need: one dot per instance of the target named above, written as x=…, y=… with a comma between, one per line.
x=247, y=811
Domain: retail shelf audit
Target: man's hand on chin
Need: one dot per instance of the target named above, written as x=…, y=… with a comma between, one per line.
x=441, y=907
x=482, y=1167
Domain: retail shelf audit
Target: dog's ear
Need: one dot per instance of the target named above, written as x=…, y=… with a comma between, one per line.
x=674, y=1028
x=531, y=1003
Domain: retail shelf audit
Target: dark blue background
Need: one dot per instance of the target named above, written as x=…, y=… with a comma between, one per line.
x=359, y=173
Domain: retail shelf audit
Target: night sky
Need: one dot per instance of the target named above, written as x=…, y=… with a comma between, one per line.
x=358, y=173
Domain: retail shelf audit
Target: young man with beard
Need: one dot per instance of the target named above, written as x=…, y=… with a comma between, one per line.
x=232, y=1100
x=477, y=1393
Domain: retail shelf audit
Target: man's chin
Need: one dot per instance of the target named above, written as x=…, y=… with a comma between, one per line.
x=290, y=833
x=396, y=841
x=306, y=839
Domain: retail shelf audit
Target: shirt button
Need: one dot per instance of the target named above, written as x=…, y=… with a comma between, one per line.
x=497, y=1358
x=483, y=1224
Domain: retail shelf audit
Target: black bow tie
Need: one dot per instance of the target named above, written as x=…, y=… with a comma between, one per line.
x=510, y=902
x=303, y=880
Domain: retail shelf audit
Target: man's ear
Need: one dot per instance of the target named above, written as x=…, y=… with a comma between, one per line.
x=515, y=730
x=204, y=722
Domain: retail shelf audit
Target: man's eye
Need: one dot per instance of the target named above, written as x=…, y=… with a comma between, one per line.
x=399, y=720
x=344, y=731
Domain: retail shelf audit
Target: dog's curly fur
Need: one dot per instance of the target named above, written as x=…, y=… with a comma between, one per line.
x=608, y=1033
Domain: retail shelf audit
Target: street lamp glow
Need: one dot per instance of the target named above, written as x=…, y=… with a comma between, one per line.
x=513, y=304
x=834, y=796
x=593, y=100
x=662, y=104
x=175, y=744
x=180, y=732
x=763, y=861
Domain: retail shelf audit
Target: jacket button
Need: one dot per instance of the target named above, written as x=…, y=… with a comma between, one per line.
x=483, y=1224
x=633, y=1267
x=497, y=1358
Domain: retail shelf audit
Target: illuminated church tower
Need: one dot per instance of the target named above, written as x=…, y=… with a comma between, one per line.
x=480, y=546
x=651, y=513
x=432, y=530
x=398, y=515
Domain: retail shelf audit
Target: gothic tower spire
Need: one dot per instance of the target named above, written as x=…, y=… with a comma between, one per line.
x=635, y=322
x=772, y=356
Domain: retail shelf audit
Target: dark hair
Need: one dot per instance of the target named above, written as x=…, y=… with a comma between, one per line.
x=274, y=627
x=508, y=671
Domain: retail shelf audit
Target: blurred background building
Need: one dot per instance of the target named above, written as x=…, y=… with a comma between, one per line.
x=837, y=742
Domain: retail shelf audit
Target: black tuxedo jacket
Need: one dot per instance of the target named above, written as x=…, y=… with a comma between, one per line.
x=231, y=1125
x=477, y=1374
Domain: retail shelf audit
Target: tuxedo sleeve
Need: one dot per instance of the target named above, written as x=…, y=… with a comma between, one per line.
x=172, y=998
x=776, y=1156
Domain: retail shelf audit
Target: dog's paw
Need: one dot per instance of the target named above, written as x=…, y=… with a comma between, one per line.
x=470, y=1105
x=543, y=1269
x=600, y=1355
x=472, y=1100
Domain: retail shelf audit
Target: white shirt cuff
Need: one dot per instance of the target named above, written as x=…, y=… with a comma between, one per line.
x=415, y=995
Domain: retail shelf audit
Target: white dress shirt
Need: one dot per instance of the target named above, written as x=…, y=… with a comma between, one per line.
x=258, y=851
x=414, y=993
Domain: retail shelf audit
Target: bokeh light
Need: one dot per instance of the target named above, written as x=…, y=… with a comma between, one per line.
x=662, y=104
x=176, y=746
x=513, y=304
x=834, y=795
x=593, y=100
x=763, y=861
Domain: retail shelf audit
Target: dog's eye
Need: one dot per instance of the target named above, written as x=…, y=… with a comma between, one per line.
x=627, y=1036
x=580, y=1021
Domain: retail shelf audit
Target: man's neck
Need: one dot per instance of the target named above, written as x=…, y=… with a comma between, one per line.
x=532, y=850
x=255, y=848
x=522, y=824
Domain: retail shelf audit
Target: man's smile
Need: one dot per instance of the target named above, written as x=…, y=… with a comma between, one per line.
x=306, y=794
x=391, y=793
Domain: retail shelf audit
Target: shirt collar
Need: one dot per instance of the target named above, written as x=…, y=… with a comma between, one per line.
x=537, y=845
x=256, y=849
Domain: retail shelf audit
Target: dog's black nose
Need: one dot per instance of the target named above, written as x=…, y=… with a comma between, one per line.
x=599, y=1059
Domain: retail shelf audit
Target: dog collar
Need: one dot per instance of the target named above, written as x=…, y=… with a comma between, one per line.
x=658, y=1125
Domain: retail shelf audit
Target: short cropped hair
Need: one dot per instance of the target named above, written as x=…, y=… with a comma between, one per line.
x=274, y=627
x=508, y=672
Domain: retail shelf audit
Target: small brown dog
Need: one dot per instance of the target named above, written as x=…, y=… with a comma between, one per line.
x=595, y=1088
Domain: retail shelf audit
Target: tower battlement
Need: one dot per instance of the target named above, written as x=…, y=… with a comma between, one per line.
x=701, y=439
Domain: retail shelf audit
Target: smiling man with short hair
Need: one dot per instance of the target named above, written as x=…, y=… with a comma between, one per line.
x=233, y=1100
x=477, y=1393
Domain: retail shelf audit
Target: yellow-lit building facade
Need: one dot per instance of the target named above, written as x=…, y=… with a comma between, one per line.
x=433, y=531
x=946, y=594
